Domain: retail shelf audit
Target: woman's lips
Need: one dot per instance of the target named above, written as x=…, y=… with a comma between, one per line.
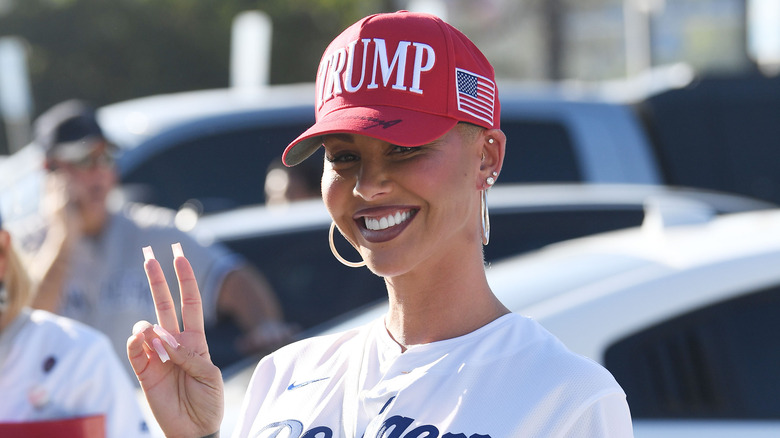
x=381, y=225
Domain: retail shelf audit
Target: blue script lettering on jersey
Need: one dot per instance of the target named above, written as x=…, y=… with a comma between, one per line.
x=393, y=427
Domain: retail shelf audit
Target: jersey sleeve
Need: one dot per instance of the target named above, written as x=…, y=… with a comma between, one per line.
x=607, y=417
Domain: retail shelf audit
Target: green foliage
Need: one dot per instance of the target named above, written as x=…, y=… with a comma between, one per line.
x=111, y=50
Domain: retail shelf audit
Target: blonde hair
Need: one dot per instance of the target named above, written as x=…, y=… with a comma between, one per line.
x=469, y=131
x=17, y=283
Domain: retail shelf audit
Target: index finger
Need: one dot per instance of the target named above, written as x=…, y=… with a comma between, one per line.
x=191, y=304
x=163, y=302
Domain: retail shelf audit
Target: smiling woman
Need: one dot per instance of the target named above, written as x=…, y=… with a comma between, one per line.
x=410, y=153
x=435, y=186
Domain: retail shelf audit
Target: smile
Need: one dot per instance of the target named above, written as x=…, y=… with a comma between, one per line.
x=384, y=222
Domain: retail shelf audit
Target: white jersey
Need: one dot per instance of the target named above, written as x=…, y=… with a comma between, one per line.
x=56, y=368
x=510, y=378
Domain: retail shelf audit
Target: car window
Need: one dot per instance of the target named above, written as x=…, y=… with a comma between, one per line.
x=720, y=133
x=222, y=170
x=538, y=151
x=513, y=233
x=720, y=361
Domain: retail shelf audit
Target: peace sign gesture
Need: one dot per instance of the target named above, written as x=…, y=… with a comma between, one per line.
x=183, y=387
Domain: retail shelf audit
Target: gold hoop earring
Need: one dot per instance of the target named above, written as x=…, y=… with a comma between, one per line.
x=485, y=218
x=336, y=252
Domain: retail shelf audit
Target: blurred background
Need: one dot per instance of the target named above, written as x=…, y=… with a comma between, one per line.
x=105, y=52
x=642, y=164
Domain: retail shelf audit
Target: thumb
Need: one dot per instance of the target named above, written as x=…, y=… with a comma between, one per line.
x=137, y=353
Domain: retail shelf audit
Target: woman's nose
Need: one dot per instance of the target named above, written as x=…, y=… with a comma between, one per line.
x=372, y=180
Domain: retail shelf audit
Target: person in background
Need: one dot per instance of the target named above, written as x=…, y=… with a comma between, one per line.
x=287, y=184
x=407, y=113
x=52, y=367
x=81, y=248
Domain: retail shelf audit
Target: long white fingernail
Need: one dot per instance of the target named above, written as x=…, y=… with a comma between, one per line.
x=140, y=326
x=158, y=347
x=166, y=336
x=148, y=253
x=177, y=251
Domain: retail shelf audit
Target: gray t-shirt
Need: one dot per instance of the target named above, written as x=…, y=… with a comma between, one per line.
x=107, y=286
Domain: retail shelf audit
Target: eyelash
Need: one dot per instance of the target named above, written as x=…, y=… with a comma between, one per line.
x=404, y=149
x=341, y=157
x=347, y=156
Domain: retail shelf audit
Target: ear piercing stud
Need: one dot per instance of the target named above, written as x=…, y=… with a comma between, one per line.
x=492, y=179
x=491, y=141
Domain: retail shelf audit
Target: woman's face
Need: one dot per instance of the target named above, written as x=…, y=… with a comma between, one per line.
x=404, y=207
x=88, y=183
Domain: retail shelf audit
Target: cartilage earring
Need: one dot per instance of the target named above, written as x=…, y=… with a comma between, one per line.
x=336, y=252
x=492, y=179
x=491, y=141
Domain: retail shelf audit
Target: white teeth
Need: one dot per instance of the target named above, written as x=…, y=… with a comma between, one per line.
x=387, y=221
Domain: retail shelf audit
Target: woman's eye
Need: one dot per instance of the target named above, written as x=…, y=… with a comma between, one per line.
x=403, y=149
x=343, y=157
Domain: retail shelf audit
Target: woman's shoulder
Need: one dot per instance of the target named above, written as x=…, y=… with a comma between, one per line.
x=59, y=330
x=518, y=344
x=79, y=352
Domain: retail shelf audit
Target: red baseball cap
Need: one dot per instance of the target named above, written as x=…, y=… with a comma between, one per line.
x=405, y=78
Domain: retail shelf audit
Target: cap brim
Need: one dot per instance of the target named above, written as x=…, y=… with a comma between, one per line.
x=394, y=125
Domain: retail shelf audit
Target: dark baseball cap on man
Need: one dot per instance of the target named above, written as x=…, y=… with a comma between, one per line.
x=68, y=131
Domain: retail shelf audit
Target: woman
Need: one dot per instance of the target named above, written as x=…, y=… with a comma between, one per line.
x=53, y=368
x=407, y=112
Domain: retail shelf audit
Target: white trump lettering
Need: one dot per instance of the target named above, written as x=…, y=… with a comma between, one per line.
x=337, y=73
x=380, y=54
x=329, y=72
x=421, y=50
x=351, y=65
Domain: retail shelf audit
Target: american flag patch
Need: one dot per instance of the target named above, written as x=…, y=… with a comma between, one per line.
x=476, y=95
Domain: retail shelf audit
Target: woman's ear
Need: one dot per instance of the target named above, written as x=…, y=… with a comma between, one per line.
x=493, y=148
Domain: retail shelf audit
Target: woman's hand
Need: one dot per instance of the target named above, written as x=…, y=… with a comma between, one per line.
x=183, y=387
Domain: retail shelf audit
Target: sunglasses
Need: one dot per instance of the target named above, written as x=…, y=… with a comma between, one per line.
x=102, y=159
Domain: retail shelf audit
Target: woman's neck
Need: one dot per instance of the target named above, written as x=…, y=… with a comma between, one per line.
x=427, y=308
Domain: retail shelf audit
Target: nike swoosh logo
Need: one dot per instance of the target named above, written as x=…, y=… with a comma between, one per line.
x=294, y=385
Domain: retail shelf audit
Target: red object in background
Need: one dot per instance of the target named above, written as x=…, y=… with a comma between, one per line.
x=83, y=427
